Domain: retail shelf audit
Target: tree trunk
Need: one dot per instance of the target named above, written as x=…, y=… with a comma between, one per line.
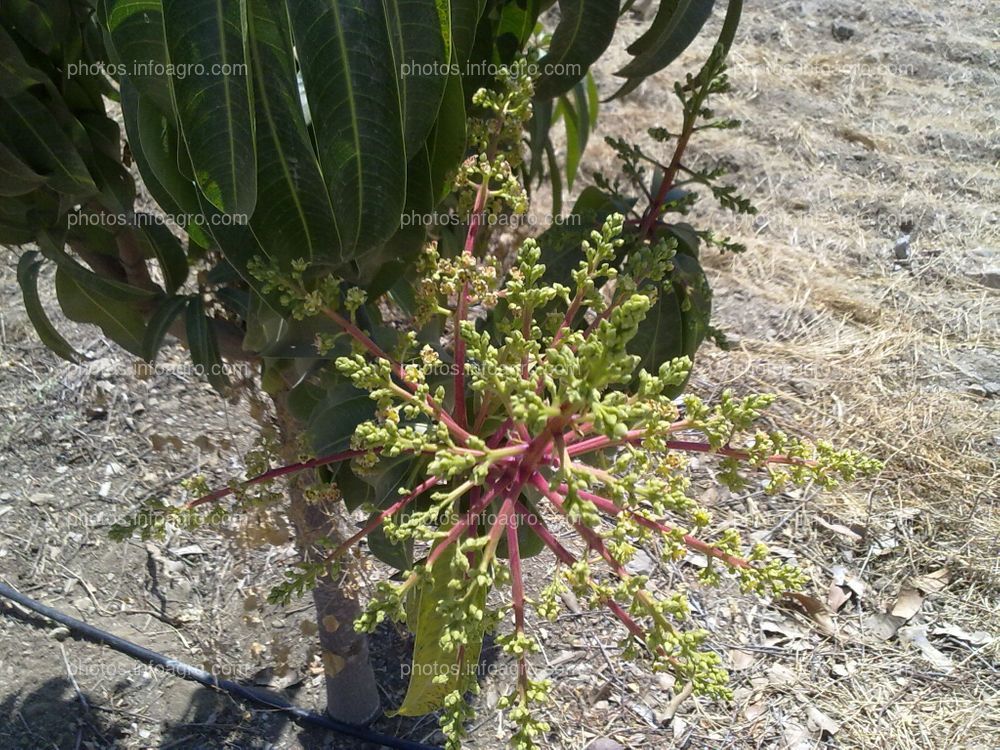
x=351, y=691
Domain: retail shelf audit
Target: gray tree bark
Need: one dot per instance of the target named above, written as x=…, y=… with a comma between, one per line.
x=351, y=690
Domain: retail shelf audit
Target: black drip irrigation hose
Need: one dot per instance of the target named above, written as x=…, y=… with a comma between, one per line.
x=187, y=672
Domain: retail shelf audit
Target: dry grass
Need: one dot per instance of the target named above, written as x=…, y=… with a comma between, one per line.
x=860, y=354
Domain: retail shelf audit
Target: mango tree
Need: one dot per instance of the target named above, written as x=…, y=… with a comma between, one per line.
x=336, y=171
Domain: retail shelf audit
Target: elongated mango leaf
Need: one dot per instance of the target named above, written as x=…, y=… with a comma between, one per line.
x=16, y=177
x=675, y=26
x=51, y=247
x=517, y=22
x=159, y=323
x=331, y=424
x=561, y=243
x=660, y=337
x=555, y=178
x=347, y=63
x=538, y=136
x=584, y=32
x=44, y=23
x=154, y=146
x=593, y=100
x=421, y=39
x=135, y=41
x=437, y=672
x=727, y=35
x=18, y=223
x=398, y=555
x=15, y=73
x=203, y=344
x=85, y=302
x=695, y=301
x=463, y=18
x=160, y=243
x=446, y=144
x=213, y=107
x=28, y=267
x=296, y=220
x=28, y=126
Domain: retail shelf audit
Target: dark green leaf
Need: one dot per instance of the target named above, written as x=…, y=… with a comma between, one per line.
x=676, y=25
x=464, y=17
x=517, y=22
x=28, y=127
x=561, y=244
x=331, y=425
x=16, y=177
x=169, y=253
x=446, y=144
x=159, y=323
x=27, y=277
x=15, y=73
x=529, y=544
x=421, y=38
x=398, y=555
x=213, y=107
x=538, y=134
x=660, y=337
x=350, y=78
x=695, y=299
x=83, y=301
x=135, y=30
x=202, y=343
x=43, y=23
x=296, y=220
x=584, y=32
x=574, y=146
x=554, y=178
x=51, y=247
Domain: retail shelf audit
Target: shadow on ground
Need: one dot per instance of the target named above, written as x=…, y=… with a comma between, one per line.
x=60, y=716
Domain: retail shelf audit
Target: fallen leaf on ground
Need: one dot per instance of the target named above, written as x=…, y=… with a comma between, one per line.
x=917, y=635
x=978, y=638
x=836, y=597
x=796, y=737
x=821, y=721
x=740, y=659
x=570, y=600
x=932, y=583
x=813, y=608
x=755, y=710
x=908, y=603
x=881, y=625
x=779, y=674
x=837, y=528
x=842, y=577
x=783, y=627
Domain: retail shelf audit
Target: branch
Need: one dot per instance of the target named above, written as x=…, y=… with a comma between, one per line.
x=267, y=476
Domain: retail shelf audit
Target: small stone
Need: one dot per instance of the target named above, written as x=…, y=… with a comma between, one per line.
x=641, y=564
x=41, y=498
x=605, y=743
x=841, y=32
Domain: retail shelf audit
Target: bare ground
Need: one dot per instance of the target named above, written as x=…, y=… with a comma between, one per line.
x=842, y=142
